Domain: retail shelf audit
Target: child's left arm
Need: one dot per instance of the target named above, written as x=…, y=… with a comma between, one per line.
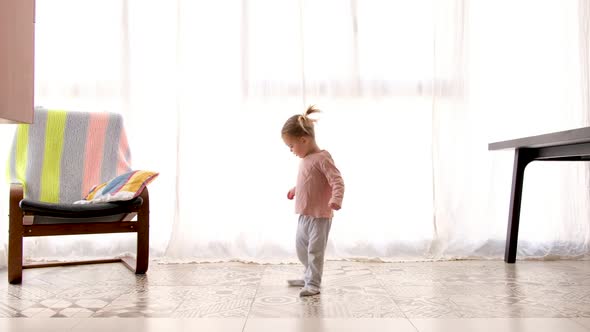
x=336, y=183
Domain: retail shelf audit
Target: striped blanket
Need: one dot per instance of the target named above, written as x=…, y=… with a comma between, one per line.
x=63, y=154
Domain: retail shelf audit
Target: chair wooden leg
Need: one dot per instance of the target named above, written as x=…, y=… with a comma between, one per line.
x=15, y=236
x=143, y=235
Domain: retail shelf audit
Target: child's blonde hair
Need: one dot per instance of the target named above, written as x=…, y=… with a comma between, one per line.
x=301, y=124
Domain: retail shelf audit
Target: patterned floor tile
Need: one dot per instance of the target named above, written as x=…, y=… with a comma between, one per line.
x=187, y=293
x=478, y=306
x=428, y=307
x=76, y=313
x=235, y=308
x=420, y=290
x=333, y=302
x=224, y=276
x=572, y=302
x=138, y=308
x=8, y=311
x=9, y=306
x=277, y=275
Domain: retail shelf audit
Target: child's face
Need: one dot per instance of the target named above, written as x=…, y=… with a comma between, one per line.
x=297, y=145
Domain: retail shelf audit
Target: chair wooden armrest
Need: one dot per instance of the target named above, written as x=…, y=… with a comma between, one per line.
x=15, y=235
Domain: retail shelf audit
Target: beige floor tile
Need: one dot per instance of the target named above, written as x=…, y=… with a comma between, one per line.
x=159, y=324
x=37, y=324
x=583, y=321
x=498, y=324
x=328, y=325
x=503, y=306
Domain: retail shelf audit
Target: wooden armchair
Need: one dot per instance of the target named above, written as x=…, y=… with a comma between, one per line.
x=54, y=162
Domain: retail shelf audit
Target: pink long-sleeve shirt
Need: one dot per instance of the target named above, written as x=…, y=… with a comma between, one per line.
x=319, y=183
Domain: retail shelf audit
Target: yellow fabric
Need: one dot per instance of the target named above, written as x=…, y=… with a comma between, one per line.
x=50, y=174
x=22, y=144
x=22, y=137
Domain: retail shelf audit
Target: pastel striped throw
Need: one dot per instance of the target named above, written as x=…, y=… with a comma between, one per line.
x=123, y=187
x=63, y=154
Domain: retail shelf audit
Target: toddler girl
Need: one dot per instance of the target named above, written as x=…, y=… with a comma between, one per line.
x=318, y=191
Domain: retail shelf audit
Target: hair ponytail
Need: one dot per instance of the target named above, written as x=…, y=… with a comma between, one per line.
x=301, y=124
x=310, y=110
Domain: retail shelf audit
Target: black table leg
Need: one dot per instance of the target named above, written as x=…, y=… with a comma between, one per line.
x=522, y=157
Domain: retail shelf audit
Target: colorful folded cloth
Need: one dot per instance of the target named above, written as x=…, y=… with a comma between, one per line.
x=64, y=154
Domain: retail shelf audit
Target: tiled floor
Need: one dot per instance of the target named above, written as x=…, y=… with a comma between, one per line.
x=424, y=296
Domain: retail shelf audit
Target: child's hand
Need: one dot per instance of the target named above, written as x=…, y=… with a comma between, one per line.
x=334, y=206
x=291, y=194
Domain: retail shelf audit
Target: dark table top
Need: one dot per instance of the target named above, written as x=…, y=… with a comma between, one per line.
x=573, y=136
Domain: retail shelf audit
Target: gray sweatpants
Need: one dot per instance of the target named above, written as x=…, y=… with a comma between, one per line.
x=312, y=237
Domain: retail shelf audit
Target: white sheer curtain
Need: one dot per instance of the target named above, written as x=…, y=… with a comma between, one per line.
x=412, y=92
x=527, y=74
x=265, y=61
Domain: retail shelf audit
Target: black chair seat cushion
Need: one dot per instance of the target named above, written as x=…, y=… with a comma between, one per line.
x=80, y=210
